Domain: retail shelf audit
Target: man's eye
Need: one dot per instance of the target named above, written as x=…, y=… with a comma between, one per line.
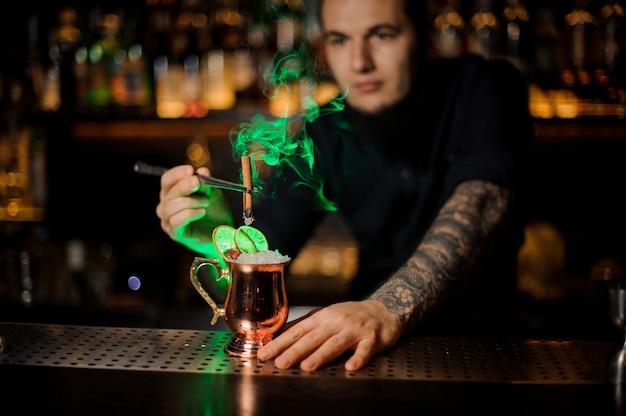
x=382, y=35
x=337, y=40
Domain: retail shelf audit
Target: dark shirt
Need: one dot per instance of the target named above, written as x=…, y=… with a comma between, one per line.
x=389, y=175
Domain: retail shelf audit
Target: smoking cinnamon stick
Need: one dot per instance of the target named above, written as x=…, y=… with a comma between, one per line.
x=246, y=171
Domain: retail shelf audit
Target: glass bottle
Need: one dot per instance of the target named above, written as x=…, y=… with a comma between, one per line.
x=60, y=81
x=34, y=64
x=610, y=69
x=166, y=77
x=246, y=56
x=137, y=82
x=577, y=73
x=517, y=32
x=448, y=30
x=548, y=56
x=287, y=76
x=192, y=22
x=15, y=137
x=160, y=15
x=484, y=35
x=105, y=61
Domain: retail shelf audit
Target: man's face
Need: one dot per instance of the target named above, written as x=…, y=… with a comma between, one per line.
x=368, y=46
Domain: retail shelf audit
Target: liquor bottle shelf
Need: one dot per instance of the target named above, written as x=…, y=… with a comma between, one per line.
x=220, y=125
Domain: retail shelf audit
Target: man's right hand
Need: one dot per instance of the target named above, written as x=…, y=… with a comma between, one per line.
x=189, y=210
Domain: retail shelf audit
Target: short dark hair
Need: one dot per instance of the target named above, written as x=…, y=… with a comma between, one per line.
x=415, y=10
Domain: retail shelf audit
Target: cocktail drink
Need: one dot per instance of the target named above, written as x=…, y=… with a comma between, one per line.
x=256, y=306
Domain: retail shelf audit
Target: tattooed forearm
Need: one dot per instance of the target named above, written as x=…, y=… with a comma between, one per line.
x=449, y=253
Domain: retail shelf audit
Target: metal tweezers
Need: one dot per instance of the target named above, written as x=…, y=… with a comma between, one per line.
x=147, y=169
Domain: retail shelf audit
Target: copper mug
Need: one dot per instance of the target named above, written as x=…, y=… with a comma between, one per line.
x=255, y=306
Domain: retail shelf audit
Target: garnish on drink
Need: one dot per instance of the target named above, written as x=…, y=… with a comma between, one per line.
x=224, y=241
x=230, y=242
x=249, y=239
x=245, y=244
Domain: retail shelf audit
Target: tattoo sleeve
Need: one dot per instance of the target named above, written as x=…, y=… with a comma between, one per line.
x=449, y=253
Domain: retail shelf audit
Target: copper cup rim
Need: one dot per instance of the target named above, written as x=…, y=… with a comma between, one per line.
x=258, y=267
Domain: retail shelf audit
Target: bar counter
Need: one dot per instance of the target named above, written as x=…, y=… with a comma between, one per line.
x=96, y=370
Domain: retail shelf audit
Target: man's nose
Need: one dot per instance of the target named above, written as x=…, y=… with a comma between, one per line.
x=362, y=57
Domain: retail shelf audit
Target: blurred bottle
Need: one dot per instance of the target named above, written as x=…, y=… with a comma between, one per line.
x=288, y=20
x=34, y=65
x=9, y=142
x=21, y=92
x=518, y=34
x=287, y=76
x=35, y=133
x=38, y=167
x=106, y=58
x=249, y=56
x=192, y=24
x=227, y=24
x=135, y=74
x=610, y=70
x=484, y=35
x=577, y=72
x=89, y=33
x=218, y=88
x=15, y=141
x=160, y=15
x=76, y=260
x=261, y=39
x=60, y=82
x=447, y=30
x=166, y=47
x=17, y=280
x=548, y=56
x=230, y=68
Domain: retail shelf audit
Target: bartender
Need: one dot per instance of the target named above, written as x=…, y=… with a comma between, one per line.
x=426, y=165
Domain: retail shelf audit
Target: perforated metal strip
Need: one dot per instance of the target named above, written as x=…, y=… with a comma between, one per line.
x=444, y=359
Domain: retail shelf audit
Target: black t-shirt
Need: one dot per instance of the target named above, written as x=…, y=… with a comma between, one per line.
x=388, y=177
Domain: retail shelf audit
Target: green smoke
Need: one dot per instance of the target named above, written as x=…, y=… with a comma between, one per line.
x=283, y=142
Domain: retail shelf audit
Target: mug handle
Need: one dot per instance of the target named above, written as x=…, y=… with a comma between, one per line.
x=198, y=262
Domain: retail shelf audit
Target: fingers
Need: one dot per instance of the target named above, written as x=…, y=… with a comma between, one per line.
x=312, y=350
x=289, y=348
x=336, y=345
x=287, y=338
x=179, y=181
x=318, y=339
x=203, y=171
x=362, y=354
x=364, y=327
x=330, y=349
x=178, y=221
x=174, y=175
x=316, y=348
x=176, y=206
x=189, y=210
